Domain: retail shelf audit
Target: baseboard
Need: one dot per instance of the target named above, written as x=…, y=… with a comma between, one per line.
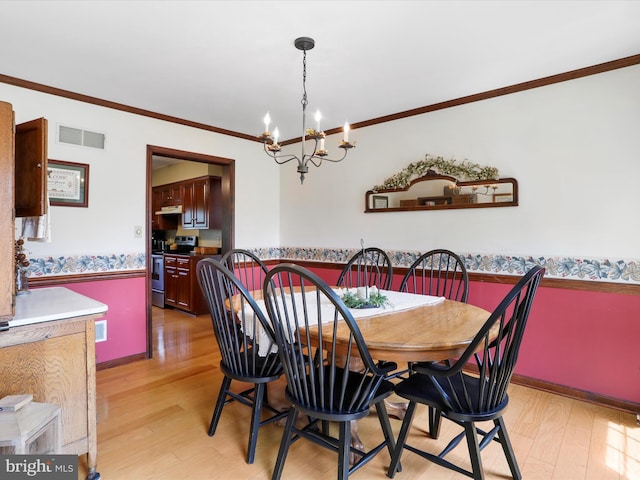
x=597, y=399
x=121, y=361
x=574, y=393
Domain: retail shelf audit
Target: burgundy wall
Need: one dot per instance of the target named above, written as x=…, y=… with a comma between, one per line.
x=126, y=317
x=582, y=340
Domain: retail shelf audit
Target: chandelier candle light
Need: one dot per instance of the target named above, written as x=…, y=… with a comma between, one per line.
x=271, y=146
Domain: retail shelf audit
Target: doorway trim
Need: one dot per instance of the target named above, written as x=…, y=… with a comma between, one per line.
x=228, y=211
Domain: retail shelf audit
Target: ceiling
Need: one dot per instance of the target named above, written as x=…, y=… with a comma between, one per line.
x=226, y=63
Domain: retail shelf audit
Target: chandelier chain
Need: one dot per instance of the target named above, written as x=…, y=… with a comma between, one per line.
x=304, y=81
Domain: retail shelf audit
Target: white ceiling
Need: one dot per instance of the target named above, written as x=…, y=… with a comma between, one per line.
x=226, y=63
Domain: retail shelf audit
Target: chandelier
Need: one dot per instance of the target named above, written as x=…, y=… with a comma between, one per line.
x=271, y=146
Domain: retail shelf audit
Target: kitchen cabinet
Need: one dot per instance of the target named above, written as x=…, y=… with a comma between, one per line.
x=161, y=222
x=181, y=288
x=171, y=194
x=49, y=352
x=202, y=203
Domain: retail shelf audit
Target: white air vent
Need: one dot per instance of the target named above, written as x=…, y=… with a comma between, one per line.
x=83, y=138
x=101, y=331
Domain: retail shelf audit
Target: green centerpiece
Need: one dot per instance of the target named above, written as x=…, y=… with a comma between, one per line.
x=375, y=300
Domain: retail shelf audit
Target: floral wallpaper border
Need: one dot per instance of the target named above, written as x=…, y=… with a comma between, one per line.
x=79, y=264
x=619, y=270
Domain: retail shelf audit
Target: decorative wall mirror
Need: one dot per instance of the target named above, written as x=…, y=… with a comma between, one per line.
x=442, y=189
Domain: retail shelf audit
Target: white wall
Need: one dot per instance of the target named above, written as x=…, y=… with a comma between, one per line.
x=117, y=174
x=574, y=148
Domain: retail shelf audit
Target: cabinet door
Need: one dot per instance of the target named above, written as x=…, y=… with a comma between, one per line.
x=7, y=232
x=159, y=196
x=215, y=202
x=183, y=283
x=183, y=289
x=170, y=285
x=200, y=194
x=171, y=194
x=55, y=370
x=188, y=207
x=156, y=204
x=165, y=195
x=175, y=191
x=31, y=168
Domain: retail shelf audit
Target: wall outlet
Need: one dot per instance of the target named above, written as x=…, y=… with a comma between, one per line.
x=137, y=231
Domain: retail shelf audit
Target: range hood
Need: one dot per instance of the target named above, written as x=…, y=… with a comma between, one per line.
x=172, y=210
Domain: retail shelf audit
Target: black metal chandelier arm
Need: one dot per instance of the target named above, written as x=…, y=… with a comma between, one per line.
x=320, y=159
x=279, y=159
x=284, y=158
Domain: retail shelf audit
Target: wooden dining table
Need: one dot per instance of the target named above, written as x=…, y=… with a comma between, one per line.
x=422, y=333
x=430, y=332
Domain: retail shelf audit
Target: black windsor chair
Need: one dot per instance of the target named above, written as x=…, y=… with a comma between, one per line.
x=242, y=358
x=466, y=398
x=247, y=267
x=440, y=273
x=318, y=384
x=367, y=268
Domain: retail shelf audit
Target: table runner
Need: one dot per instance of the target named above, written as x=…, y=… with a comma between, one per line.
x=397, y=301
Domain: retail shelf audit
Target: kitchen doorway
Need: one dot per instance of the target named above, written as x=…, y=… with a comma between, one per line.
x=160, y=155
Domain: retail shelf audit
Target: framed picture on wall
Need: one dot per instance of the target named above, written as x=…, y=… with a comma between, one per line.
x=68, y=183
x=380, y=201
x=502, y=197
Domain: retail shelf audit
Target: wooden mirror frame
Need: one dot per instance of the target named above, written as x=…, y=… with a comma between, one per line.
x=381, y=198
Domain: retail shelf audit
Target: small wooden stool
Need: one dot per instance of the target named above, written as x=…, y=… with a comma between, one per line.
x=27, y=427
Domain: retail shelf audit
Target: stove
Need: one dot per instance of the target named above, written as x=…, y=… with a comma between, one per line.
x=184, y=244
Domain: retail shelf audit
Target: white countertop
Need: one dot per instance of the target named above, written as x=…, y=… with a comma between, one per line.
x=53, y=303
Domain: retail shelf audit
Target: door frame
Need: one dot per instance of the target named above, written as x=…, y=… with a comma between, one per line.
x=228, y=211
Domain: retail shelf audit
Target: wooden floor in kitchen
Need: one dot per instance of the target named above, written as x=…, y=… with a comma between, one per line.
x=153, y=417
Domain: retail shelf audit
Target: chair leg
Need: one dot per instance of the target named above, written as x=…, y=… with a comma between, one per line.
x=435, y=418
x=474, y=451
x=344, y=449
x=259, y=391
x=505, y=441
x=285, y=443
x=386, y=426
x=222, y=397
x=402, y=438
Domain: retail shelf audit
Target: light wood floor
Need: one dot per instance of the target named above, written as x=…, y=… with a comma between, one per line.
x=153, y=417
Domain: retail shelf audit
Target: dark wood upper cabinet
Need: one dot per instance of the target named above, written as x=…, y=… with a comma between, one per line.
x=202, y=203
x=31, y=168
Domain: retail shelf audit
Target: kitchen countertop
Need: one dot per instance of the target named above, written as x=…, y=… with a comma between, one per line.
x=53, y=303
x=192, y=254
